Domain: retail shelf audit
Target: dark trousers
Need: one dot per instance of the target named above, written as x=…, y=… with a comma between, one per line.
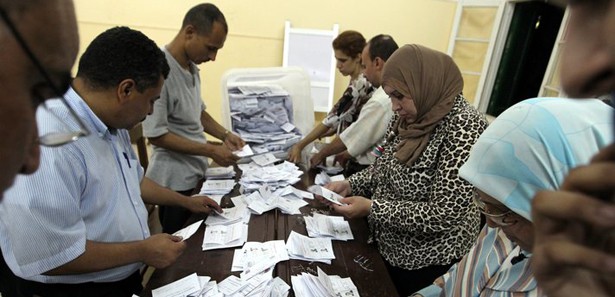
x=173, y=218
x=14, y=286
x=408, y=282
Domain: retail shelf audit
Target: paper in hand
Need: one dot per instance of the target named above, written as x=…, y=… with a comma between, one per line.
x=326, y=193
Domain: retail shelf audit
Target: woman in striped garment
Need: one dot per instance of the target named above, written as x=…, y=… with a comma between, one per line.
x=530, y=147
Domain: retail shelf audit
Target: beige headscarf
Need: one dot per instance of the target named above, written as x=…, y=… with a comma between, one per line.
x=432, y=80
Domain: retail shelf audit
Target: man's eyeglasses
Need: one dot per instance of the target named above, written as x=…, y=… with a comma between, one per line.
x=497, y=216
x=56, y=138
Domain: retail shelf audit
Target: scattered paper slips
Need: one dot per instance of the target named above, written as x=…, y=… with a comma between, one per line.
x=326, y=193
x=187, y=232
x=179, y=288
x=264, y=159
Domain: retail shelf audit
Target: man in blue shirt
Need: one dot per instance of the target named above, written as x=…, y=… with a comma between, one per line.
x=85, y=204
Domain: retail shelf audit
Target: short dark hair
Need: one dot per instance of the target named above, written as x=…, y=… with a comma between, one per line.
x=122, y=53
x=203, y=16
x=350, y=42
x=382, y=46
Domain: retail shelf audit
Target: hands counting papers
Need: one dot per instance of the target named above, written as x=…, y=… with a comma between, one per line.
x=245, y=151
x=326, y=193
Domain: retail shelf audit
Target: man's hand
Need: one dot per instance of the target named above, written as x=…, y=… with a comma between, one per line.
x=233, y=142
x=161, y=250
x=316, y=160
x=342, y=158
x=574, y=249
x=294, y=154
x=223, y=156
x=201, y=204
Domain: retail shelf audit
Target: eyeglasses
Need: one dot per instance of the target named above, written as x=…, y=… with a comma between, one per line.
x=51, y=139
x=497, y=216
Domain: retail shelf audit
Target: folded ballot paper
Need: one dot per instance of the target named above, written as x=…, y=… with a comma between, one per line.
x=326, y=193
x=225, y=236
x=323, y=285
x=187, y=232
x=334, y=227
x=301, y=247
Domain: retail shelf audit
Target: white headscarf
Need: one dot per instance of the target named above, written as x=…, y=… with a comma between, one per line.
x=533, y=145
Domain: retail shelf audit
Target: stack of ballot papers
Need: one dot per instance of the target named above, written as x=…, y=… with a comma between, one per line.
x=189, y=286
x=334, y=227
x=217, y=187
x=301, y=247
x=220, y=172
x=263, y=116
x=323, y=285
x=225, y=236
x=275, y=176
x=289, y=200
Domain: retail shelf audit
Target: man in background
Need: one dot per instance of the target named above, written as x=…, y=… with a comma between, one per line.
x=574, y=250
x=175, y=129
x=354, y=147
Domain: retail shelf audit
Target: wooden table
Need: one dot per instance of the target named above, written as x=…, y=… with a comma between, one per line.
x=355, y=259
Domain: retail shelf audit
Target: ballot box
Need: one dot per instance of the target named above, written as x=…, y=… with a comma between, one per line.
x=270, y=108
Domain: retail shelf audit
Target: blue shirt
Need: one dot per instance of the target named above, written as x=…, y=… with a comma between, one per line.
x=85, y=190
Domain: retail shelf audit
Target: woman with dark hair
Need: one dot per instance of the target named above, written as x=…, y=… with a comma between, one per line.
x=347, y=48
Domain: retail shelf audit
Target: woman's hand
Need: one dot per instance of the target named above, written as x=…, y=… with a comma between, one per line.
x=341, y=187
x=355, y=207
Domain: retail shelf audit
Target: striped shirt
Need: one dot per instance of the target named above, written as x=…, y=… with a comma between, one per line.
x=85, y=190
x=487, y=271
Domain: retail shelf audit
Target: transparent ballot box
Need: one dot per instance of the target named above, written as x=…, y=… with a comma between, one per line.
x=270, y=108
